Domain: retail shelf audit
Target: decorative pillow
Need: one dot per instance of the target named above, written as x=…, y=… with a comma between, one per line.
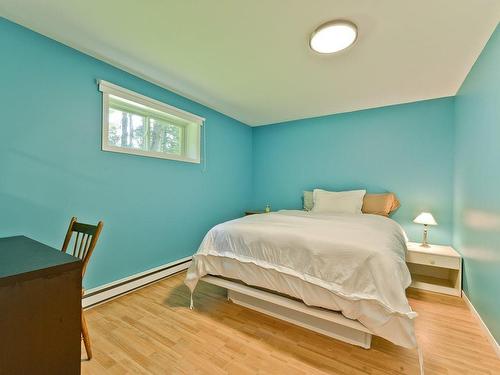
x=380, y=204
x=308, y=200
x=349, y=202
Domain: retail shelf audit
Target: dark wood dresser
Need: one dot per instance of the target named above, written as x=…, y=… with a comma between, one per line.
x=40, y=307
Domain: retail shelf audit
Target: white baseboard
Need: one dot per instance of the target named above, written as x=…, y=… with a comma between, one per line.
x=484, y=327
x=104, y=293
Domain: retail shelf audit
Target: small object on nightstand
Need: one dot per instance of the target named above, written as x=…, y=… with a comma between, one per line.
x=426, y=219
x=435, y=268
x=267, y=209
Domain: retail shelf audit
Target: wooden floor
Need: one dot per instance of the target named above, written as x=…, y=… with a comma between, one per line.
x=152, y=331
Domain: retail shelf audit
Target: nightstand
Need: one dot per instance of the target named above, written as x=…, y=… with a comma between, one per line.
x=435, y=268
x=251, y=212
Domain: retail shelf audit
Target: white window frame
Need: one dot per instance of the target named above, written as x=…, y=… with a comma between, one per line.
x=192, y=124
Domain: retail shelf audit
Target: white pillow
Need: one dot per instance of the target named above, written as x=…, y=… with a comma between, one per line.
x=342, y=202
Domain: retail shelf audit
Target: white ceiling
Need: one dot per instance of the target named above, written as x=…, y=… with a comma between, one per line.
x=251, y=60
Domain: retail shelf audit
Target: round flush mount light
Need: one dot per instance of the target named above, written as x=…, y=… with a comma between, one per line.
x=333, y=36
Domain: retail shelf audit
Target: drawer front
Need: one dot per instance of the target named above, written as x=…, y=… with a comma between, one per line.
x=433, y=260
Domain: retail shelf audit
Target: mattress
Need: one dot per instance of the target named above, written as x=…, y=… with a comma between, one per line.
x=352, y=263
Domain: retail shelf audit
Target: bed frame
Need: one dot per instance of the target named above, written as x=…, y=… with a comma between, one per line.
x=326, y=322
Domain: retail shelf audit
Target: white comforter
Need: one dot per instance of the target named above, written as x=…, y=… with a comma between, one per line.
x=354, y=263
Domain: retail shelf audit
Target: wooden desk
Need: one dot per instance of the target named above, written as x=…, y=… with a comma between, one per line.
x=40, y=307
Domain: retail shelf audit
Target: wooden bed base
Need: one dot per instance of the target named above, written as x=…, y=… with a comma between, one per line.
x=326, y=322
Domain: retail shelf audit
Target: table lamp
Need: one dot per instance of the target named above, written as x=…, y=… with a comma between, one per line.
x=426, y=219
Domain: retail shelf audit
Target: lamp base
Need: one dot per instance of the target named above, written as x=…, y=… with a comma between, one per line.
x=424, y=240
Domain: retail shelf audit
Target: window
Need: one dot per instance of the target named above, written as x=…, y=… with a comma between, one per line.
x=135, y=124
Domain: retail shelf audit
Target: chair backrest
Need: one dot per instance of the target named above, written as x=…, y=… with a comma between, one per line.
x=85, y=241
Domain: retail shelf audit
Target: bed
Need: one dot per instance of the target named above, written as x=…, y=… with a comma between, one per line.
x=340, y=274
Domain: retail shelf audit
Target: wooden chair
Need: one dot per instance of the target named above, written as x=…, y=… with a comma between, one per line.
x=85, y=241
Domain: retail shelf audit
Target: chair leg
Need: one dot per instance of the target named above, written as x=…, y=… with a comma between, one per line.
x=86, y=338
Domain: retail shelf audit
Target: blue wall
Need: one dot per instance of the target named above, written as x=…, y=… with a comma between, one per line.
x=51, y=165
x=407, y=149
x=477, y=183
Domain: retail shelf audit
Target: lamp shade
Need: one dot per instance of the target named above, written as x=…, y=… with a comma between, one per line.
x=425, y=218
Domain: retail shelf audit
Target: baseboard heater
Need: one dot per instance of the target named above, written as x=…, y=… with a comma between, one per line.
x=104, y=293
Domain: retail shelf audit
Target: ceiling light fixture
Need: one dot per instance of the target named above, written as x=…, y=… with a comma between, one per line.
x=333, y=36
